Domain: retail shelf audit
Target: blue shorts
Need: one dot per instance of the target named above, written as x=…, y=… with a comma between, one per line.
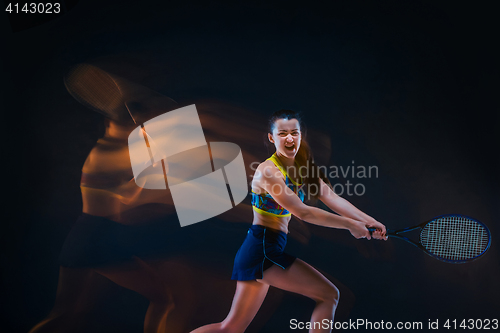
x=262, y=248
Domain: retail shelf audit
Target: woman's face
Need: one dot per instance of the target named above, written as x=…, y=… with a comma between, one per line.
x=286, y=137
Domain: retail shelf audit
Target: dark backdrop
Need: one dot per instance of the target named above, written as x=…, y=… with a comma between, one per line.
x=410, y=87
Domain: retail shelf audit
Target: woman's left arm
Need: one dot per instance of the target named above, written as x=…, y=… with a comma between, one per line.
x=344, y=208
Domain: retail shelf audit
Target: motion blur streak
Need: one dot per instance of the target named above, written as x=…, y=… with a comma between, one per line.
x=131, y=235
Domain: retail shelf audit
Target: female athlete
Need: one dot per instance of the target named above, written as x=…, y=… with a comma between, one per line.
x=277, y=193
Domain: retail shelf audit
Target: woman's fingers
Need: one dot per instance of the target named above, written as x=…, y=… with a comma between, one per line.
x=379, y=234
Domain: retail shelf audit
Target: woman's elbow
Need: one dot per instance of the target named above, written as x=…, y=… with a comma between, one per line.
x=302, y=213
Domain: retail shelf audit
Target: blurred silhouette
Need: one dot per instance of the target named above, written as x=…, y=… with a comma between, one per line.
x=132, y=236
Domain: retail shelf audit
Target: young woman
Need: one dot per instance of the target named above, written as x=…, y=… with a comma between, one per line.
x=277, y=193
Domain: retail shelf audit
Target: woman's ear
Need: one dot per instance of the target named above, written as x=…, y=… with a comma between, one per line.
x=270, y=137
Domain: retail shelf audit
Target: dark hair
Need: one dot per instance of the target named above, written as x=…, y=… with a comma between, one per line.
x=304, y=156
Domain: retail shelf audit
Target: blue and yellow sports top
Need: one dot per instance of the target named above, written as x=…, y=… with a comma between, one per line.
x=265, y=204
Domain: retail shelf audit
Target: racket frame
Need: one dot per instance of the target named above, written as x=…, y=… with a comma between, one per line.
x=396, y=234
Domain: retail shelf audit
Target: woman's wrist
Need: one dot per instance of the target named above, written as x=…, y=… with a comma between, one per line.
x=348, y=223
x=370, y=220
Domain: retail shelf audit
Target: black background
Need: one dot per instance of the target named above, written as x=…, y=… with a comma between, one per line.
x=410, y=87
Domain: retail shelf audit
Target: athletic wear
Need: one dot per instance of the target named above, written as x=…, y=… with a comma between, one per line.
x=262, y=248
x=265, y=204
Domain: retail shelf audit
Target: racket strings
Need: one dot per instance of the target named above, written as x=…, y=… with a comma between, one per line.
x=93, y=87
x=455, y=238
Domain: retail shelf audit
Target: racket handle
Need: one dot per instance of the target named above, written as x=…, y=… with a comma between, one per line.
x=371, y=230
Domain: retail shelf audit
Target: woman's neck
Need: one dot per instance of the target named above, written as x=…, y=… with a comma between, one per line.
x=286, y=161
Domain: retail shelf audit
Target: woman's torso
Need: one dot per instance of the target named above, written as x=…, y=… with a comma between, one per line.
x=266, y=211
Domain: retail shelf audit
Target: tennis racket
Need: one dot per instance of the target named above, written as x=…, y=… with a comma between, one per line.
x=97, y=90
x=451, y=238
x=114, y=97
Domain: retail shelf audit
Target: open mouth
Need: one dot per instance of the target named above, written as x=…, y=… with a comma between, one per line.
x=290, y=147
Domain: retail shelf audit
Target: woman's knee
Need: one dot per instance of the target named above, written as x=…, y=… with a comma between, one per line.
x=227, y=327
x=328, y=294
x=335, y=295
x=232, y=325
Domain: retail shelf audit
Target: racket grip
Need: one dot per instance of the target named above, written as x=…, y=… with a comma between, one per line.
x=371, y=230
x=387, y=233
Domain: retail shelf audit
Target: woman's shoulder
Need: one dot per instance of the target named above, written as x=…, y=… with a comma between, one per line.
x=267, y=166
x=267, y=169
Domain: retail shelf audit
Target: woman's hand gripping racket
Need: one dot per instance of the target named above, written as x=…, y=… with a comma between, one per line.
x=451, y=238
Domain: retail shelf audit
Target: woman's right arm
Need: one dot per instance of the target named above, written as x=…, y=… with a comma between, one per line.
x=269, y=178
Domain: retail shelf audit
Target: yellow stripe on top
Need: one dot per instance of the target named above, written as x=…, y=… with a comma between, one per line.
x=263, y=212
x=274, y=158
x=265, y=204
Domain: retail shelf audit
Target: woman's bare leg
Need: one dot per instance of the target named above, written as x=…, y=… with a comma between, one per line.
x=302, y=278
x=247, y=300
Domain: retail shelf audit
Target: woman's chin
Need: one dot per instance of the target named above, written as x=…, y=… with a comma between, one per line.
x=289, y=153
